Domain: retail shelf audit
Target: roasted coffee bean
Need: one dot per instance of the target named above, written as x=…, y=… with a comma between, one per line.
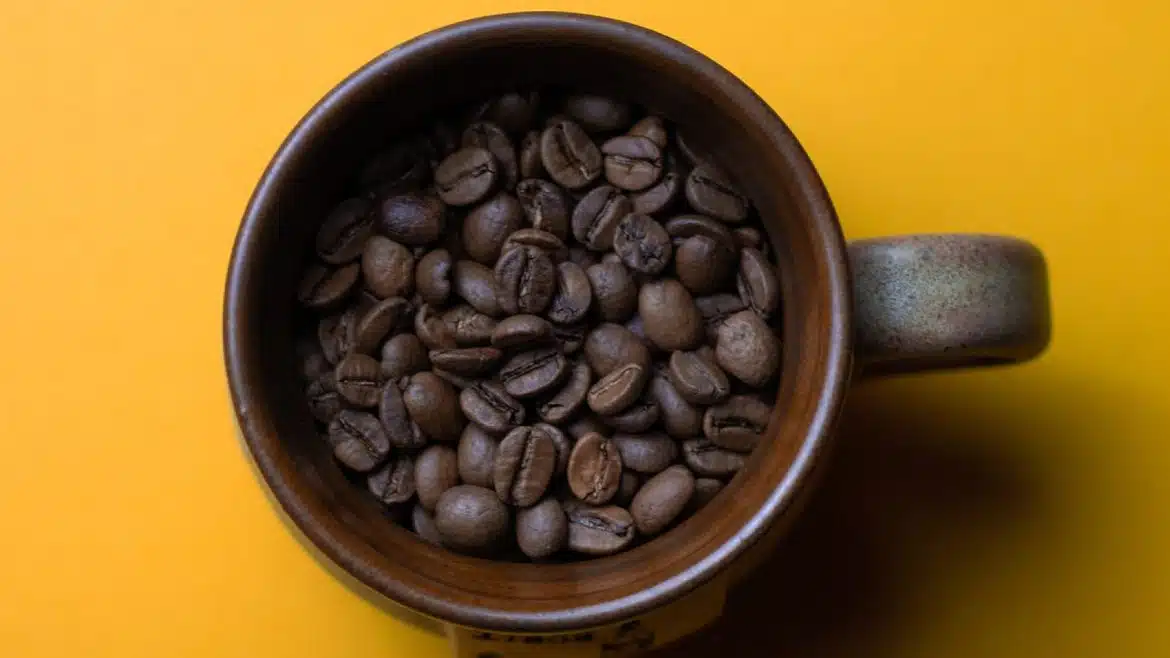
x=584, y=424
x=471, y=519
x=400, y=430
x=423, y=525
x=394, y=482
x=757, y=283
x=466, y=361
x=569, y=156
x=642, y=244
x=333, y=335
x=662, y=499
x=324, y=400
x=570, y=397
x=615, y=293
x=412, y=219
x=432, y=329
x=434, y=406
x=705, y=490
x=599, y=114
x=561, y=442
x=460, y=382
x=611, y=346
x=532, y=373
x=669, y=315
x=467, y=176
x=632, y=163
x=489, y=136
x=432, y=277
x=686, y=226
x=703, y=265
x=646, y=453
x=525, y=280
x=522, y=330
x=569, y=337
x=573, y=296
x=747, y=348
x=706, y=458
x=737, y=424
x=711, y=192
x=638, y=328
x=538, y=239
x=652, y=128
x=595, y=469
x=528, y=159
x=488, y=405
x=467, y=326
x=596, y=217
x=638, y=417
x=476, y=456
x=489, y=224
x=631, y=482
x=747, y=236
x=545, y=205
x=373, y=327
x=599, y=530
x=614, y=392
x=388, y=268
x=514, y=111
x=476, y=284
x=717, y=308
x=323, y=287
x=680, y=418
x=359, y=380
x=343, y=235
x=525, y=462
x=358, y=440
x=697, y=378
x=659, y=197
x=436, y=470
x=542, y=530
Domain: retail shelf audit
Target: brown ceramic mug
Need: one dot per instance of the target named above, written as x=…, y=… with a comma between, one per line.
x=897, y=304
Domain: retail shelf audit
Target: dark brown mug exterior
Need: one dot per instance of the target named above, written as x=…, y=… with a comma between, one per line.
x=473, y=59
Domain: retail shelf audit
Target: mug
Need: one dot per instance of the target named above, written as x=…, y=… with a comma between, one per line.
x=877, y=306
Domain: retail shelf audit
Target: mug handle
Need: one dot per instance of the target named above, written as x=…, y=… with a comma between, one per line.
x=935, y=301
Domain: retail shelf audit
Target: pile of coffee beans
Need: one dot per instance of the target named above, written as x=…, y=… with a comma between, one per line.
x=547, y=324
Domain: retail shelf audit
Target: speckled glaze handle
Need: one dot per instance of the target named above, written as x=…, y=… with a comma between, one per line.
x=926, y=302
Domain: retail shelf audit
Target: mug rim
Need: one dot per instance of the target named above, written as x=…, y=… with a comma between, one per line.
x=822, y=221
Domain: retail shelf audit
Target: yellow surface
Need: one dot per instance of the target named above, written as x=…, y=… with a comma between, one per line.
x=1015, y=513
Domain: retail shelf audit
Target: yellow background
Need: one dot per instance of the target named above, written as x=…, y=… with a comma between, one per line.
x=1015, y=513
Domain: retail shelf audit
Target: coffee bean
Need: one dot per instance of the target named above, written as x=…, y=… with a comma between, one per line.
x=324, y=400
x=345, y=231
x=660, y=501
x=703, y=265
x=395, y=169
x=687, y=226
x=680, y=419
x=488, y=405
x=715, y=309
x=400, y=430
x=638, y=328
x=333, y=335
x=467, y=176
x=652, y=128
x=638, y=417
x=599, y=114
x=489, y=224
x=532, y=373
x=574, y=294
x=412, y=219
x=599, y=530
x=476, y=284
x=596, y=217
x=631, y=482
x=587, y=423
x=460, y=382
x=476, y=456
x=323, y=287
x=358, y=440
x=432, y=277
x=467, y=326
x=394, y=482
x=570, y=397
x=595, y=469
x=757, y=283
x=747, y=236
x=423, y=525
x=632, y=163
x=432, y=329
x=610, y=346
x=646, y=453
x=659, y=197
x=669, y=315
x=538, y=239
x=525, y=280
x=738, y=423
x=697, y=378
x=616, y=391
x=521, y=330
x=545, y=205
x=489, y=136
x=747, y=348
x=466, y=361
x=542, y=530
x=705, y=490
x=514, y=111
x=614, y=291
x=436, y=470
x=562, y=443
x=359, y=380
x=525, y=462
x=569, y=156
x=388, y=268
x=711, y=192
x=706, y=458
x=529, y=161
x=642, y=244
x=471, y=519
x=569, y=337
x=373, y=327
x=434, y=406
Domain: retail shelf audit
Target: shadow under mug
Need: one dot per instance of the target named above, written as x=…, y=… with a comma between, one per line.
x=890, y=305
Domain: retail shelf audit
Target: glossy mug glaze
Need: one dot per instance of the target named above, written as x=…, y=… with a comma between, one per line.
x=887, y=305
